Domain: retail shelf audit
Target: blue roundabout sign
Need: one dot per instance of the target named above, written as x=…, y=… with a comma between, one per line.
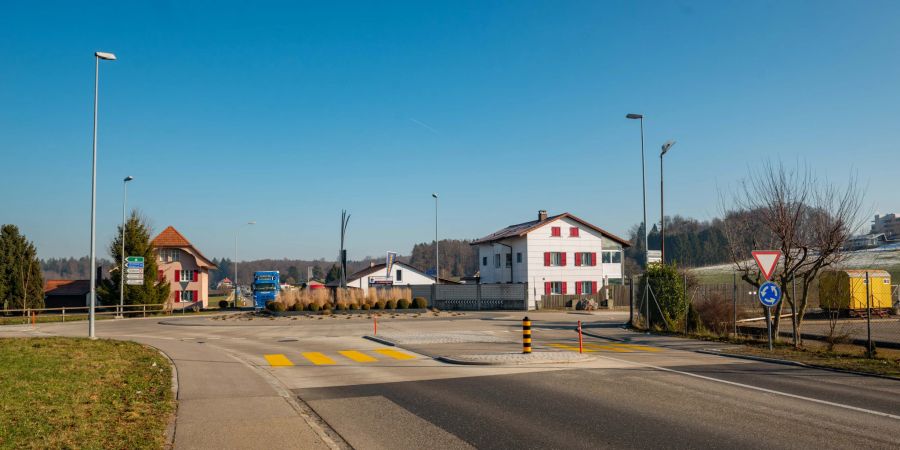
x=769, y=294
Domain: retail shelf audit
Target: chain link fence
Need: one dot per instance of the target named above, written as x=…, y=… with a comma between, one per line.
x=733, y=310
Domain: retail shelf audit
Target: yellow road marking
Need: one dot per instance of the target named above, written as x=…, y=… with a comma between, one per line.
x=591, y=347
x=318, y=358
x=639, y=347
x=394, y=353
x=357, y=356
x=278, y=360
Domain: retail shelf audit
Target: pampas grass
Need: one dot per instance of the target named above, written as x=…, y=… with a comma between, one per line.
x=348, y=296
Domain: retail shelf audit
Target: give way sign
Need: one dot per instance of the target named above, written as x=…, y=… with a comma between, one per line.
x=767, y=260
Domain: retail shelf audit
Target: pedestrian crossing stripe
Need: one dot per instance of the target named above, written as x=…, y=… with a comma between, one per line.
x=357, y=356
x=317, y=358
x=278, y=360
x=394, y=353
x=321, y=359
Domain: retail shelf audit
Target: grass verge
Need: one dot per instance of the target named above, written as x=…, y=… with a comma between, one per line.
x=79, y=393
x=844, y=357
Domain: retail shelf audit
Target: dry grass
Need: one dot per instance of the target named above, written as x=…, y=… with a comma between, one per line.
x=351, y=298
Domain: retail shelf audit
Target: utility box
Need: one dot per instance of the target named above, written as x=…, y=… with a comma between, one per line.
x=846, y=290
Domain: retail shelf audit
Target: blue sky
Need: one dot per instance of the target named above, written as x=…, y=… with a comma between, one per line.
x=285, y=113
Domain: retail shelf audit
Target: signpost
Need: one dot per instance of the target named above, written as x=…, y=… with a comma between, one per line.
x=769, y=293
x=134, y=270
x=654, y=256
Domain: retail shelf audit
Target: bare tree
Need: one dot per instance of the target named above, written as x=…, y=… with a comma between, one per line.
x=806, y=219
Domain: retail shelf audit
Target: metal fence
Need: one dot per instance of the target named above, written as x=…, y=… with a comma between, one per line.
x=733, y=309
x=610, y=297
x=474, y=297
x=78, y=312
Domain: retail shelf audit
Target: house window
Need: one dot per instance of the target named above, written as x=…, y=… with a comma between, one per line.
x=584, y=259
x=555, y=231
x=556, y=287
x=484, y=261
x=169, y=254
x=519, y=258
x=509, y=260
x=400, y=275
x=187, y=275
x=555, y=258
x=186, y=296
x=587, y=287
x=573, y=231
x=497, y=260
x=612, y=257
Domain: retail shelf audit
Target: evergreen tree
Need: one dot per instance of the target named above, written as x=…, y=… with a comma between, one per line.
x=137, y=243
x=21, y=282
x=334, y=274
x=317, y=272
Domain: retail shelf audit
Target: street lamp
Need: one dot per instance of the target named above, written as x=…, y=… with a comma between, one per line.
x=437, y=254
x=662, y=215
x=122, y=270
x=97, y=57
x=252, y=222
x=646, y=298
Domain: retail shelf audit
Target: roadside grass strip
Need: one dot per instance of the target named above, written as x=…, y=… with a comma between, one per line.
x=278, y=360
x=357, y=356
x=80, y=393
x=318, y=358
x=394, y=354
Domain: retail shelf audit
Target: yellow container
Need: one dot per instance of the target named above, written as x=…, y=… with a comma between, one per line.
x=846, y=289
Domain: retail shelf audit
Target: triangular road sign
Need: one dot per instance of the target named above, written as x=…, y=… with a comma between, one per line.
x=767, y=260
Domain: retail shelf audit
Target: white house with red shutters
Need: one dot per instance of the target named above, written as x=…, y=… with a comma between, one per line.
x=559, y=254
x=184, y=267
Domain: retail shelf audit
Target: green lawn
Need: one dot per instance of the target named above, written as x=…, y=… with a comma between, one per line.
x=846, y=357
x=78, y=393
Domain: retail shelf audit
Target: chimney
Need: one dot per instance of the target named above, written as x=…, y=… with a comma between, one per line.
x=542, y=215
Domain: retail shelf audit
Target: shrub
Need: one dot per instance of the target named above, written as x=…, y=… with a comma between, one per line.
x=298, y=307
x=314, y=307
x=327, y=305
x=392, y=304
x=342, y=306
x=223, y=304
x=275, y=306
x=420, y=302
x=380, y=304
x=366, y=306
x=403, y=303
x=354, y=306
x=667, y=285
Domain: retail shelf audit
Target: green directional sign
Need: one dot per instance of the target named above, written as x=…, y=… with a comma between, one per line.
x=133, y=259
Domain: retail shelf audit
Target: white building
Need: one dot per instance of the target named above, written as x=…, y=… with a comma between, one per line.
x=562, y=254
x=376, y=275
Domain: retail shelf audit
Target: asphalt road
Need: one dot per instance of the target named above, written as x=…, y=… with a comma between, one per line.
x=649, y=392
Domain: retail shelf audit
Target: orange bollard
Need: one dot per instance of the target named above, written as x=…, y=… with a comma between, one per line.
x=580, y=341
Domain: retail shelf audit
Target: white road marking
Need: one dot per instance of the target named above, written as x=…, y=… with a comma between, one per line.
x=757, y=388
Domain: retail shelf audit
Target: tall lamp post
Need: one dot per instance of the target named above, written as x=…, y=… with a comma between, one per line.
x=122, y=267
x=640, y=117
x=109, y=57
x=236, y=285
x=437, y=253
x=662, y=210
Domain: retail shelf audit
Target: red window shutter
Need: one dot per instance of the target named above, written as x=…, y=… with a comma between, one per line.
x=547, y=288
x=577, y=288
x=177, y=296
x=546, y=259
x=593, y=259
x=177, y=276
x=195, y=295
x=573, y=231
x=564, y=285
x=577, y=259
x=196, y=275
x=555, y=231
x=562, y=259
x=160, y=275
x=593, y=287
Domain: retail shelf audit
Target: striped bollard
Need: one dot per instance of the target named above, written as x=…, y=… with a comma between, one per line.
x=526, y=335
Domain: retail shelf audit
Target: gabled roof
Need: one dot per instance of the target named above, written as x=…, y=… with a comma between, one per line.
x=521, y=229
x=67, y=287
x=381, y=268
x=171, y=238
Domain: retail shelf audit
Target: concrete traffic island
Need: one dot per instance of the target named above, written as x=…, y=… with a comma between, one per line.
x=504, y=359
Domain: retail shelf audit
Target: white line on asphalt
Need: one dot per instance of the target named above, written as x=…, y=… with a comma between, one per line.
x=757, y=388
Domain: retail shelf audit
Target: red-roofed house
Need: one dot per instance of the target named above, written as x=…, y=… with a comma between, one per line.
x=66, y=293
x=184, y=267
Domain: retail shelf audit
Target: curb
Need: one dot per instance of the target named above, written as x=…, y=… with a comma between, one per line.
x=452, y=360
x=170, y=427
x=786, y=362
x=380, y=340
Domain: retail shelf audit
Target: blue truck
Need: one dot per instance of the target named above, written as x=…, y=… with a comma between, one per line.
x=266, y=286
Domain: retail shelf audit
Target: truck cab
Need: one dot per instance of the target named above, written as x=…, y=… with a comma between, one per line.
x=266, y=287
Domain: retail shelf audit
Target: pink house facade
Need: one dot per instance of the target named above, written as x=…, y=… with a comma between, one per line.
x=184, y=267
